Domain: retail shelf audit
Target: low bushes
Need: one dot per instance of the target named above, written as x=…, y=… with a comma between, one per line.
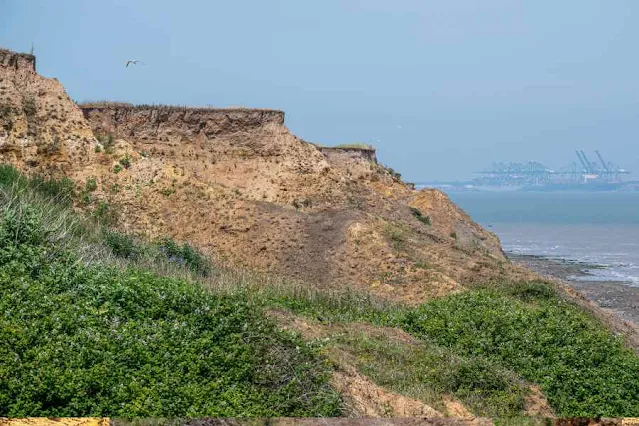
x=582, y=369
x=79, y=340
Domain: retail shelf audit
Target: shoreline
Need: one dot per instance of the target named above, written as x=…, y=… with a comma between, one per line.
x=616, y=296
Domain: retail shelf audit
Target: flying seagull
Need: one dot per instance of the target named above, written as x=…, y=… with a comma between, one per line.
x=134, y=62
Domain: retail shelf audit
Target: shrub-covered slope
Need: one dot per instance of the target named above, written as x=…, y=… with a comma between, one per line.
x=87, y=328
x=78, y=339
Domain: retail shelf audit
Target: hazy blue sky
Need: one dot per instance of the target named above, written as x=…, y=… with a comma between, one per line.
x=442, y=88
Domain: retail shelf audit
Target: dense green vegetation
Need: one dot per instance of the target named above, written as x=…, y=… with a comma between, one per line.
x=96, y=322
x=129, y=247
x=79, y=339
x=582, y=368
x=526, y=327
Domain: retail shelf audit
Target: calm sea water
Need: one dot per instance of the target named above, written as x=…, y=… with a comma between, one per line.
x=597, y=228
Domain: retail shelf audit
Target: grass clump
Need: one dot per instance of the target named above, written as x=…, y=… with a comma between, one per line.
x=419, y=216
x=91, y=185
x=61, y=191
x=426, y=372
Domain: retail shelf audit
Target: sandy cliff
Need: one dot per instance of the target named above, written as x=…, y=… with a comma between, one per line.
x=40, y=126
x=239, y=185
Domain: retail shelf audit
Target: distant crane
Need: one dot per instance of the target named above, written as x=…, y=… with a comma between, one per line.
x=583, y=162
x=592, y=167
x=603, y=163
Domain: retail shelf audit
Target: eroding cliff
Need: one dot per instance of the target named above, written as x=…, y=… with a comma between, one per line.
x=40, y=126
x=357, y=162
x=237, y=184
x=172, y=123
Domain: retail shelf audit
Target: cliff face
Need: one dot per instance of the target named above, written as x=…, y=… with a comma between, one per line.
x=356, y=162
x=40, y=126
x=174, y=124
x=237, y=184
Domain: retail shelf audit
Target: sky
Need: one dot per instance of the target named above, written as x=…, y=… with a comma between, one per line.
x=440, y=88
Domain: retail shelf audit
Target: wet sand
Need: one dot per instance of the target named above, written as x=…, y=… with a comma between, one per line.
x=619, y=297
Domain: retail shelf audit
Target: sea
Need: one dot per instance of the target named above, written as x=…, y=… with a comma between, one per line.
x=596, y=228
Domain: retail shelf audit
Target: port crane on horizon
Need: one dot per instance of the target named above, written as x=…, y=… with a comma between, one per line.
x=535, y=173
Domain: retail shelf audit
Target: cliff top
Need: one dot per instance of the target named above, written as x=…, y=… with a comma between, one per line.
x=9, y=58
x=126, y=105
x=355, y=146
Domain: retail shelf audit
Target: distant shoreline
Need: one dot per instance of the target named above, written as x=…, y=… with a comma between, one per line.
x=617, y=296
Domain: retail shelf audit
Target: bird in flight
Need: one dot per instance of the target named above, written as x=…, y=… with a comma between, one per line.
x=134, y=62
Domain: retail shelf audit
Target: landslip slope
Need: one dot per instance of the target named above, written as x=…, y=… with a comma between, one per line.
x=240, y=186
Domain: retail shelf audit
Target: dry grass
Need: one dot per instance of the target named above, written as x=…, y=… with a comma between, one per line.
x=179, y=108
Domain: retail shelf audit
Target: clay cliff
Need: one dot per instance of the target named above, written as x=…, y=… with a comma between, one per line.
x=237, y=184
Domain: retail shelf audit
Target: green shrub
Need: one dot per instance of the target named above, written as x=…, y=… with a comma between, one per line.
x=122, y=245
x=581, y=368
x=126, y=161
x=117, y=169
x=79, y=340
x=418, y=215
x=29, y=107
x=185, y=255
x=91, y=185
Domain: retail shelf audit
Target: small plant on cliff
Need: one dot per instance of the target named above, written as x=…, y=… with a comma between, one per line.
x=393, y=173
x=396, y=237
x=302, y=202
x=107, y=141
x=418, y=215
x=29, y=107
x=91, y=185
x=167, y=191
x=117, y=168
x=6, y=117
x=126, y=161
x=104, y=213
